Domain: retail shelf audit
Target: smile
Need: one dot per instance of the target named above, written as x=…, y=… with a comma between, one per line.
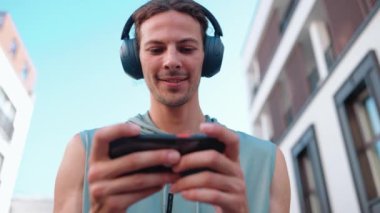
x=174, y=82
x=174, y=79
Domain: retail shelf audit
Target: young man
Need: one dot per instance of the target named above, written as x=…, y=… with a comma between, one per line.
x=250, y=176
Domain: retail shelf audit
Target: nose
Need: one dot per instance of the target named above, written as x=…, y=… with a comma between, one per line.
x=172, y=59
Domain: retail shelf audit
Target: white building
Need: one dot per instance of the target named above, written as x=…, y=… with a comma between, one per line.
x=314, y=79
x=31, y=205
x=17, y=76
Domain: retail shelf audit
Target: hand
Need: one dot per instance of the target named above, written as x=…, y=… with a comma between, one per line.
x=223, y=186
x=111, y=189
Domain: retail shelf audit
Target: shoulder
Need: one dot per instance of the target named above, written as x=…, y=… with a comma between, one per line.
x=280, y=187
x=74, y=149
x=69, y=179
x=74, y=152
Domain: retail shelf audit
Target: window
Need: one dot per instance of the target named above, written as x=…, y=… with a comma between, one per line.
x=25, y=72
x=1, y=162
x=263, y=125
x=287, y=100
x=311, y=186
x=254, y=78
x=288, y=15
x=2, y=15
x=367, y=5
x=329, y=57
x=13, y=47
x=289, y=117
x=358, y=103
x=313, y=79
x=327, y=45
x=7, y=116
x=1, y=165
x=280, y=107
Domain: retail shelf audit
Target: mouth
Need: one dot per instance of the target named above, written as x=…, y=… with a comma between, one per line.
x=174, y=81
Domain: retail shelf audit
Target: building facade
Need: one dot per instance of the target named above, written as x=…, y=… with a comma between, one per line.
x=32, y=205
x=17, y=76
x=314, y=77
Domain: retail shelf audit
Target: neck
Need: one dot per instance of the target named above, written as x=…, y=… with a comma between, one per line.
x=177, y=120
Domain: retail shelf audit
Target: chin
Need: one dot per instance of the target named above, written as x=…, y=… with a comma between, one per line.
x=175, y=102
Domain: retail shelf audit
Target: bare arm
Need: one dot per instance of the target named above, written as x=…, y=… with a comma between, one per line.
x=280, y=188
x=69, y=180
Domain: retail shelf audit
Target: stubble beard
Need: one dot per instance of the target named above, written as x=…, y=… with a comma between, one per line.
x=173, y=103
x=173, y=100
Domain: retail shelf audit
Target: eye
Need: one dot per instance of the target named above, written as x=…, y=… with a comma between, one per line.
x=187, y=50
x=155, y=50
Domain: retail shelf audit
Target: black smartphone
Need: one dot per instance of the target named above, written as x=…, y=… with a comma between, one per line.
x=184, y=145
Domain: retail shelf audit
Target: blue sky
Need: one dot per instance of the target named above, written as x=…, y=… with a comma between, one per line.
x=80, y=84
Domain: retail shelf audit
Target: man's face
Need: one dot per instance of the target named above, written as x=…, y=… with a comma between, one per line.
x=171, y=55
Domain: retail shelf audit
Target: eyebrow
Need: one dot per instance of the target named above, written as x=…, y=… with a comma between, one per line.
x=185, y=40
x=191, y=40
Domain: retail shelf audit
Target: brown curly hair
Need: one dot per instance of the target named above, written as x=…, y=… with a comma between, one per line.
x=155, y=7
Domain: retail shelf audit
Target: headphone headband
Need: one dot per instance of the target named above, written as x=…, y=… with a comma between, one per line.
x=127, y=28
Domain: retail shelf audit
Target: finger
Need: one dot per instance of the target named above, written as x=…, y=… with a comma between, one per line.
x=131, y=163
x=210, y=159
x=229, y=138
x=121, y=202
x=228, y=202
x=105, y=135
x=209, y=180
x=130, y=183
x=218, y=209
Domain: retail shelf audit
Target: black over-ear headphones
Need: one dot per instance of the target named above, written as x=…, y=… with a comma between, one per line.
x=213, y=48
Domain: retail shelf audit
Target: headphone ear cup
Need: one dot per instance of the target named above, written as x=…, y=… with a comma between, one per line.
x=130, y=59
x=214, y=50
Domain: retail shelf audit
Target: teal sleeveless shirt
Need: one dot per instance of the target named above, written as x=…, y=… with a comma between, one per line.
x=257, y=159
